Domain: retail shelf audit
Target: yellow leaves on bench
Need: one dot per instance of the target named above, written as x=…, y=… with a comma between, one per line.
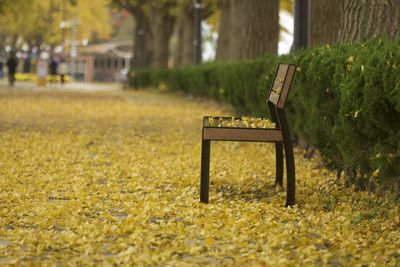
x=243, y=122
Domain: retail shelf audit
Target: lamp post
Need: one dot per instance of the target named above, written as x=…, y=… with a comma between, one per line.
x=300, y=24
x=74, y=47
x=73, y=24
x=197, y=31
x=64, y=18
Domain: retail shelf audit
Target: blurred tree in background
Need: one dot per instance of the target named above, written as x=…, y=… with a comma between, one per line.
x=326, y=18
x=368, y=19
x=352, y=21
x=184, y=29
x=36, y=23
x=156, y=21
x=248, y=29
x=164, y=31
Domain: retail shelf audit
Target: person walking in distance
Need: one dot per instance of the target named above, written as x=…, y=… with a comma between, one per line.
x=11, y=64
x=53, y=68
x=1, y=68
x=62, y=70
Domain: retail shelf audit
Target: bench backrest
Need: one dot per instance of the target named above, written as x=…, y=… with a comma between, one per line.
x=281, y=84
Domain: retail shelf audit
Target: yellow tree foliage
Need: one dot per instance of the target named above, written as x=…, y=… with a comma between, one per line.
x=287, y=5
x=39, y=21
x=93, y=17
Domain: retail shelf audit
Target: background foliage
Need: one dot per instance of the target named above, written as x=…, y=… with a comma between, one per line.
x=345, y=101
x=38, y=22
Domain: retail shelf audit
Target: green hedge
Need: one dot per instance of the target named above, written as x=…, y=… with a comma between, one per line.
x=345, y=100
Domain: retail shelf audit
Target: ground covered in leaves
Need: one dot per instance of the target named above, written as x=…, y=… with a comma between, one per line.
x=113, y=178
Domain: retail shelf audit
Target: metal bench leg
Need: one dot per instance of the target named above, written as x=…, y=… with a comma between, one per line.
x=279, y=164
x=290, y=172
x=290, y=168
x=205, y=170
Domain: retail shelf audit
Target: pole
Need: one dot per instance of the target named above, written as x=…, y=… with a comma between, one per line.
x=300, y=25
x=64, y=18
x=197, y=32
x=74, y=50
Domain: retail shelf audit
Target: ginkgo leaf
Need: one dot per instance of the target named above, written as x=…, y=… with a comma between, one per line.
x=112, y=179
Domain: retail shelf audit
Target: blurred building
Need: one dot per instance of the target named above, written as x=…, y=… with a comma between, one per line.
x=104, y=62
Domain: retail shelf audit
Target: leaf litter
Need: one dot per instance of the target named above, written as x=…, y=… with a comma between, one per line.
x=113, y=179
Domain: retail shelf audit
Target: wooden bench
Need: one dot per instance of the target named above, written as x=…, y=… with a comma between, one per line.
x=280, y=135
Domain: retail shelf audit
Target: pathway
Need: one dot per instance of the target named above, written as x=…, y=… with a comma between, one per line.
x=112, y=178
x=70, y=86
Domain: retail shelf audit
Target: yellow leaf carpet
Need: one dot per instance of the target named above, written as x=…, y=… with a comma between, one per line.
x=109, y=179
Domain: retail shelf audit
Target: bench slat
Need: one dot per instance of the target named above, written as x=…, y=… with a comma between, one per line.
x=242, y=134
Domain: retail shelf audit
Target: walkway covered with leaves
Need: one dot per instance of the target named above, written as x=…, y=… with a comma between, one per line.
x=113, y=177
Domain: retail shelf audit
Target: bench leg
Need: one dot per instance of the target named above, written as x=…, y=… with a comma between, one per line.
x=290, y=172
x=205, y=170
x=279, y=164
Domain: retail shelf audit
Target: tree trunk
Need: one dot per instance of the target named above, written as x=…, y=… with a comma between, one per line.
x=326, y=19
x=367, y=19
x=141, y=30
x=2, y=41
x=188, y=35
x=185, y=31
x=185, y=34
x=148, y=45
x=162, y=27
x=224, y=30
x=143, y=38
x=179, y=31
x=255, y=28
x=197, y=41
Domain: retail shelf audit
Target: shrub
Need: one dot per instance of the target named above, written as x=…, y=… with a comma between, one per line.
x=368, y=128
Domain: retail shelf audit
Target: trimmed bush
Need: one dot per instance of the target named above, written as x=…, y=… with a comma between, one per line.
x=368, y=125
x=345, y=101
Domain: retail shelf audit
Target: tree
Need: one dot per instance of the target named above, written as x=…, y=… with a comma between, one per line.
x=184, y=28
x=91, y=20
x=32, y=24
x=326, y=18
x=162, y=27
x=223, y=49
x=151, y=39
x=185, y=33
x=38, y=22
x=253, y=27
x=142, y=37
x=369, y=18
x=5, y=4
